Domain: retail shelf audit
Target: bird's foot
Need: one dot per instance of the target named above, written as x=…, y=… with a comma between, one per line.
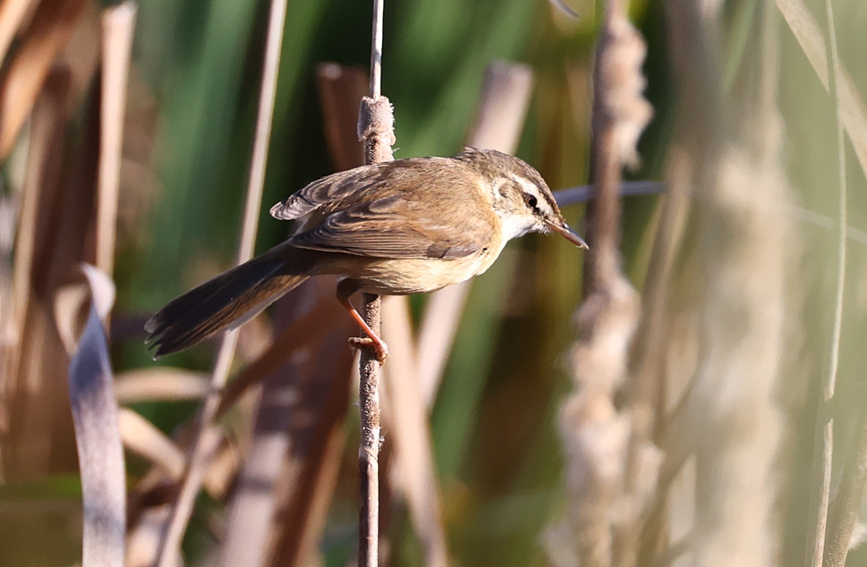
x=378, y=346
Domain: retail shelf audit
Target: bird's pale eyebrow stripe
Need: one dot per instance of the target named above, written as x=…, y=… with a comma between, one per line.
x=534, y=189
x=531, y=188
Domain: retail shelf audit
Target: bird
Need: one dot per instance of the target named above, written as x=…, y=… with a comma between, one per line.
x=400, y=227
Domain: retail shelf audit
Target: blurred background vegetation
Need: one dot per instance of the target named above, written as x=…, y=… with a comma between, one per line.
x=499, y=458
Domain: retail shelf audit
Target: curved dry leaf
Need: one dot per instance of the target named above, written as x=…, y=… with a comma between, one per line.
x=68, y=304
x=100, y=454
x=142, y=438
x=70, y=301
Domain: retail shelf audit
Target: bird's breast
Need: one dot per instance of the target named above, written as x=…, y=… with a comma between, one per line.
x=404, y=276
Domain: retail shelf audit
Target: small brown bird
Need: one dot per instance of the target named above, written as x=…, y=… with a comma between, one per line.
x=394, y=228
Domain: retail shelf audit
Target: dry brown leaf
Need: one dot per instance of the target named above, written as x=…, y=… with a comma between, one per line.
x=51, y=27
x=12, y=16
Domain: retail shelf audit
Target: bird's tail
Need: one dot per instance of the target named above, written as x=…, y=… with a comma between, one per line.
x=224, y=302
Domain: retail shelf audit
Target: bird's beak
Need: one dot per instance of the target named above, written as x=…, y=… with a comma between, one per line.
x=563, y=229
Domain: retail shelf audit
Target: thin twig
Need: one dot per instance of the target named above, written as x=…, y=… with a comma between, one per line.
x=825, y=421
x=376, y=51
x=199, y=456
x=583, y=193
x=376, y=128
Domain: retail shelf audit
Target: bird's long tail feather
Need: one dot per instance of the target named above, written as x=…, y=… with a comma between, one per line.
x=223, y=302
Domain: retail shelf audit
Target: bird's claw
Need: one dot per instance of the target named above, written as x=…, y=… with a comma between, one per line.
x=379, y=348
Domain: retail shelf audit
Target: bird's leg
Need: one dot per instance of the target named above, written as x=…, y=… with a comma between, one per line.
x=345, y=288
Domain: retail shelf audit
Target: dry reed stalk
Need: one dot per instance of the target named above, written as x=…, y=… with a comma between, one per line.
x=340, y=90
x=118, y=26
x=12, y=16
x=411, y=469
x=602, y=505
x=41, y=184
x=198, y=459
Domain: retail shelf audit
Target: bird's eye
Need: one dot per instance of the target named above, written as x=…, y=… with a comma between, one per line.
x=530, y=200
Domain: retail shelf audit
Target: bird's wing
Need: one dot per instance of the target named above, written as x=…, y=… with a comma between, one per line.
x=400, y=226
x=331, y=188
x=346, y=188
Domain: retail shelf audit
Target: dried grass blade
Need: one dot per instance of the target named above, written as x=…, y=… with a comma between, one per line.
x=100, y=453
x=12, y=14
x=34, y=361
x=160, y=384
x=810, y=37
x=824, y=449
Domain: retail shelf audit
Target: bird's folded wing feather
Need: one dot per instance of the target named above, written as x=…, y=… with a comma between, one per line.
x=333, y=188
x=398, y=226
